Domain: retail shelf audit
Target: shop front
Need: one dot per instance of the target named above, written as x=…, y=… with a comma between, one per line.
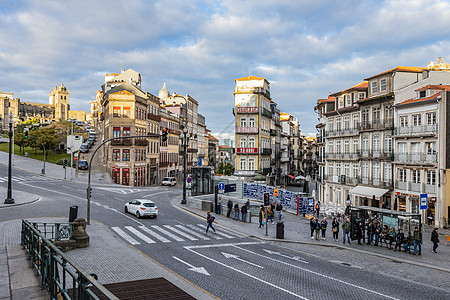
x=370, y=196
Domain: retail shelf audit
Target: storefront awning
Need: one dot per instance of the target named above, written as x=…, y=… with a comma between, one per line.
x=300, y=177
x=291, y=176
x=369, y=192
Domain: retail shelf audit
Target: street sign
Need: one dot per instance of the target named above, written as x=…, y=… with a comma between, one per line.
x=188, y=180
x=423, y=201
x=275, y=192
x=221, y=186
x=230, y=188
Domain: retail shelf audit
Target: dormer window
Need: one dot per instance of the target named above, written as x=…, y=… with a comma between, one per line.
x=383, y=85
x=422, y=94
x=374, y=87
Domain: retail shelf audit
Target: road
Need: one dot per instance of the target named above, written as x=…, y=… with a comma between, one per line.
x=226, y=264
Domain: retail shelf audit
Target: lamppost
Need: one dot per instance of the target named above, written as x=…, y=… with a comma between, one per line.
x=9, y=199
x=184, y=136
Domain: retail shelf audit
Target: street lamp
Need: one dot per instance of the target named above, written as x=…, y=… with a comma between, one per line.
x=9, y=199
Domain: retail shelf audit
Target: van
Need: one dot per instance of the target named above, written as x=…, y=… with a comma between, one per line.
x=170, y=181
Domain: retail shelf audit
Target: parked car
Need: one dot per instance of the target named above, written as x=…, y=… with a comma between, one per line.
x=84, y=148
x=91, y=131
x=89, y=143
x=79, y=123
x=92, y=140
x=141, y=208
x=87, y=128
x=170, y=181
x=83, y=165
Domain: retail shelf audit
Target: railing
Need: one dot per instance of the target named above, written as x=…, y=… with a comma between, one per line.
x=154, y=117
x=266, y=151
x=415, y=158
x=55, y=231
x=377, y=124
x=267, y=113
x=416, y=187
x=140, y=142
x=421, y=130
x=50, y=262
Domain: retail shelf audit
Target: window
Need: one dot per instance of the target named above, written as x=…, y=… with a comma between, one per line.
x=355, y=146
x=116, y=132
x=126, y=131
x=330, y=124
x=126, y=112
x=417, y=120
x=422, y=94
x=376, y=171
x=365, y=143
x=365, y=116
x=355, y=170
x=338, y=169
x=348, y=100
x=355, y=121
x=431, y=177
x=415, y=176
x=330, y=147
x=374, y=87
x=243, y=164
x=126, y=155
x=376, y=114
x=361, y=95
x=338, y=124
x=404, y=121
x=365, y=170
x=330, y=170
x=415, y=148
x=338, y=147
x=383, y=85
x=341, y=102
x=251, y=122
x=387, y=172
x=402, y=148
x=387, y=143
x=431, y=118
x=347, y=146
x=376, y=142
x=251, y=144
x=243, y=122
x=402, y=175
x=243, y=143
x=251, y=164
x=430, y=147
x=116, y=111
x=347, y=123
x=347, y=170
x=387, y=112
x=116, y=155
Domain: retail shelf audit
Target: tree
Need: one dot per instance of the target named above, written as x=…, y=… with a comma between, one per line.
x=20, y=140
x=46, y=136
x=228, y=169
x=220, y=169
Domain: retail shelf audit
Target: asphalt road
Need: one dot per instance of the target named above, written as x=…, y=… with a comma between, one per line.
x=226, y=264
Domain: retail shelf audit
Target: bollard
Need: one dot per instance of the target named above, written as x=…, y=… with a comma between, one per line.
x=73, y=213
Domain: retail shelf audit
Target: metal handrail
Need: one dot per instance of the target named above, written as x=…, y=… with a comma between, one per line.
x=49, y=261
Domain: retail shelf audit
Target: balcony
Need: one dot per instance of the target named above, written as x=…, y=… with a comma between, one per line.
x=430, y=188
x=266, y=151
x=378, y=124
x=192, y=150
x=247, y=150
x=319, y=158
x=246, y=110
x=154, y=117
x=415, y=158
x=246, y=129
x=124, y=142
x=416, y=187
x=267, y=113
x=175, y=131
x=140, y=142
x=401, y=185
x=415, y=131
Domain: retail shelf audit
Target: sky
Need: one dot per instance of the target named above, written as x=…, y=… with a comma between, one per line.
x=305, y=49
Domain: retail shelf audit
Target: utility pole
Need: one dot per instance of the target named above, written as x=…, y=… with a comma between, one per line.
x=9, y=199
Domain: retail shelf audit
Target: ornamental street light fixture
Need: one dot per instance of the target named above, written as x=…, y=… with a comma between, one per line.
x=9, y=199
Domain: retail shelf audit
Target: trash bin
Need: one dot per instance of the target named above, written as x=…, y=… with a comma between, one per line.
x=73, y=213
x=280, y=230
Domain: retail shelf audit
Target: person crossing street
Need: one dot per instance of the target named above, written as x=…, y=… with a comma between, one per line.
x=209, y=220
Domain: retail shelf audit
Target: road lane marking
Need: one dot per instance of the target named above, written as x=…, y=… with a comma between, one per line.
x=200, y=270
x=319, y=274
x=140, y=235
x=246, y=274
x=154, y=234
x=228, y=255
x=128, y=238
x=296, y=258
x=222, y=245
x=190, y=237
x=219, y=232
x=214, y=236
x=199, y=235
x=149, y=195
x=173, y=236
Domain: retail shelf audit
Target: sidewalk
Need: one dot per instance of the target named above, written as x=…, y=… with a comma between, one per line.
x=108, y=256
x=296, y=230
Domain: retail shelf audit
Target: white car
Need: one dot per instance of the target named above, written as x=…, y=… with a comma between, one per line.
x=170, y=181
x=142, y=208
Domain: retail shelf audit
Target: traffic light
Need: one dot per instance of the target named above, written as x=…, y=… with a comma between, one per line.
x=89, y=192
x=266, y=199
x=26, y=133
x=165, y=131
x=65, y=162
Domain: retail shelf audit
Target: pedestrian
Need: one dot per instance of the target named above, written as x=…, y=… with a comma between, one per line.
x=335, y=229
x=312, y=226
x=279, y=210
x=209, y=220
x=384, y=236
x=323, y=227
x=244, y=211
x=417, y=240
x=360, y=232
x=269, y=214
x=377, y=231
x=248, y=204
x=435, y=239
x=219, y=206
x=370, y=232
x=230, y=207
x=429, y=216
x=399, y=240
x=261, y=216
x=317, y=208
x=272, y=207
x=236, y=211
x=317, y=229
x=346, y=231
x=392, y=237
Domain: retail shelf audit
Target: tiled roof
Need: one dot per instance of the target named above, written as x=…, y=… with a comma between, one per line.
x=409, y=101
x=435, y=87
x=400, y=69
x=330, y=99
x=251, y=77
x=224, y=146
x=359, y=86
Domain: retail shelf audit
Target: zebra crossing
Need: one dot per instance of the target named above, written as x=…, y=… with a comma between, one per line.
x=24, y=178
x=136, y=235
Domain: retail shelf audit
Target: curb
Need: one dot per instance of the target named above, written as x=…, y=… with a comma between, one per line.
x=19, y=204
x=332, y=246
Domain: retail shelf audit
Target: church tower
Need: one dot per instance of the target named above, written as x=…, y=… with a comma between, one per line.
x=163, y=94
x=59, y=99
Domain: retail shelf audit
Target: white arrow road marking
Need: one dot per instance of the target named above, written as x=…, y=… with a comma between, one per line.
x=228, y=255
x=318, y=274
x=297, y=258
x=245, y=273
x=200, y=270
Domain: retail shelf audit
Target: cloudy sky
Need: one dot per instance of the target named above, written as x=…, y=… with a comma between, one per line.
x=305, y=49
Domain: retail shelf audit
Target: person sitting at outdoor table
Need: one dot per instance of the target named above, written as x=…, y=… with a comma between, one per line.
x=384, y=235
x=392, y=237
x=399, y=240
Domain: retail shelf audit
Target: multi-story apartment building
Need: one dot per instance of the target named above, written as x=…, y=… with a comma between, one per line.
x=202, y=142
x=169, y=161
x=286, y=159
x=275, y=135
x=253, y=118
x=213, y=151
